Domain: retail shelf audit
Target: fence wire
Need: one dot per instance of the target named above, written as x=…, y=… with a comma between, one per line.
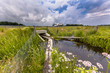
x=16, y=64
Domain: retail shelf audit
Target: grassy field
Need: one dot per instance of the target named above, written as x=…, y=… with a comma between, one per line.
x=98, y=38
x=16, y=49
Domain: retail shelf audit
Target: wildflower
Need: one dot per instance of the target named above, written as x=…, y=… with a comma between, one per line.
x=69, y=53
x=62, y=60
x=63, y=55
x=50, y=65
x=48, y=45
x=55, y=51
x=66, y=66
x=53, y=71
x=104, y=54
x=11, y=66
x=99, y=65
x=99, y=72
x=73, y=56
x=108, y=56
x=94, y=71
x=68, y=59
x=49, y=71
x=87, y=63
x=78, y=65
x=80, y=61
x=95, y=67
x=57, y=65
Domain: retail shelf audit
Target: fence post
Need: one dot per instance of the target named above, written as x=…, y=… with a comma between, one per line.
x=34, y=30
x=96, y=28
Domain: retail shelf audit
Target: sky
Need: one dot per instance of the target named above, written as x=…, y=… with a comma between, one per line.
x=47, y=12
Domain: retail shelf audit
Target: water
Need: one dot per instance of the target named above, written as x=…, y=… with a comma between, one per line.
x=83, y=52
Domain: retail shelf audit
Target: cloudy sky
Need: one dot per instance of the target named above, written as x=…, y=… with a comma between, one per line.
x=47, y=12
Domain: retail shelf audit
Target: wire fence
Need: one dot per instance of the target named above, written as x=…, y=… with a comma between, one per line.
x=16, y=64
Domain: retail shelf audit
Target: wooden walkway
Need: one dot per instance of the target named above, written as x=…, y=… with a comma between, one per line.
x=61, y=37
x=41, y=31
x=69, y=37
x=48, y=58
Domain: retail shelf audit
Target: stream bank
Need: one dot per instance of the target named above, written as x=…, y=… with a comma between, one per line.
x=82, y=51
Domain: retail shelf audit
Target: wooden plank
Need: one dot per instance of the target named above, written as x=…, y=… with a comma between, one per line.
x=48, y=57
x=41, y=31
x=70, y=37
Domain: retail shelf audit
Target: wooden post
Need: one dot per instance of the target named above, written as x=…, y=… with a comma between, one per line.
x=34, y=28
x=57, y=30
x=20, y=30
x=96, y=28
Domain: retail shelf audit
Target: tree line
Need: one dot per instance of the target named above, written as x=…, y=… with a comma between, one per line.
x=104, y=25
x=74, y=24
x=10, y=23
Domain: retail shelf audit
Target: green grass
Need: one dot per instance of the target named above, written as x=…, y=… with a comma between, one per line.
x=14, y=51
x=11, y=42
x=35, y=57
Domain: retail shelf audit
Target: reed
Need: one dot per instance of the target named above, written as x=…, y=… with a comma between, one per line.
x=10, y=46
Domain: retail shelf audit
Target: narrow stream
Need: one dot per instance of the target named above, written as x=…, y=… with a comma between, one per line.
x=82, y=51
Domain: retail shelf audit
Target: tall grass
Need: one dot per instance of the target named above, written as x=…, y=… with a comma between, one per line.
x=35, y=57
x=13, y=41
x=27, y=60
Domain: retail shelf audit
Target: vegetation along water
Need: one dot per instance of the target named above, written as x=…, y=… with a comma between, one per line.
x=96, y=37
x=20, y=50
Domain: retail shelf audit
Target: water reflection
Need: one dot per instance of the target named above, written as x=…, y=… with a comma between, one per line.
x=83, y=52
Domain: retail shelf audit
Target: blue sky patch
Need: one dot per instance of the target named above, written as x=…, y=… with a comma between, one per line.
x=72, y=3
x=42, y=3
x=88, y=5
x=61, y=9
x=53, y=2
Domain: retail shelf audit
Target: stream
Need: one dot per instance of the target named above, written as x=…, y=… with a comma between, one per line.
x=82, y=51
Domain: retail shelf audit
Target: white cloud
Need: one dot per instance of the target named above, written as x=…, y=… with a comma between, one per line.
x=34, y=12
x=98, y=15
x=57, y=4
x=68, y=16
